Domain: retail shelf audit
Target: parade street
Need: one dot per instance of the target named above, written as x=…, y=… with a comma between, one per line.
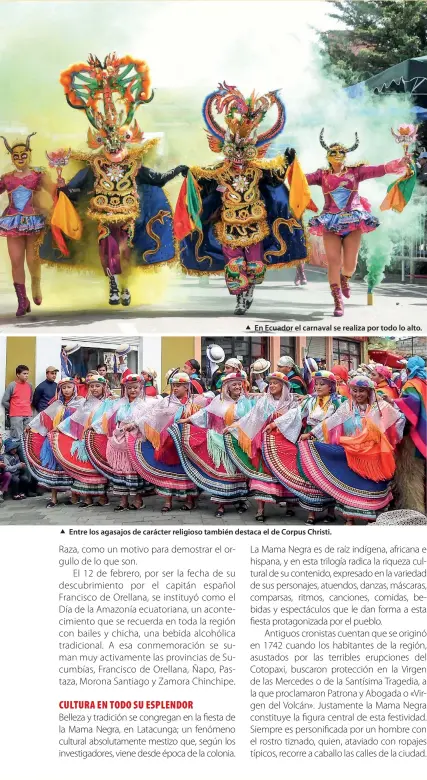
x=33, y=511
x=191, y=305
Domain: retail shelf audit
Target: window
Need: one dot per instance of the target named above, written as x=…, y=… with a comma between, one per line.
x=287, y=346
x=88, y=358
x=346, y=353
x=247, y=349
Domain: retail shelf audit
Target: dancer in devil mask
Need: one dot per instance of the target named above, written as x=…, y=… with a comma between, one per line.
x=132, y=214
x=239, y=217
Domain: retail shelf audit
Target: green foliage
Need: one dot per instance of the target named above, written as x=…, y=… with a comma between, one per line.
x=377, y=34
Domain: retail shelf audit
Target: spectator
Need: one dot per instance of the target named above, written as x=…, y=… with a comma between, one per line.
x=102, y=370
x=4, y=476
x=20, y=479
x=17, y=402
x=45, y=391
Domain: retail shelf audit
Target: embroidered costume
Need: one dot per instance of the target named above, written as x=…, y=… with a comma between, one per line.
x=280, y=448
x=351, y=456
x=39, y=457
x=344, y=210
x=201, y=447
x=153, y=451
x=23, y=221
x=68, y=444
x=132, y=214
x=238, y=217
x=106, y=440
x=243, y=442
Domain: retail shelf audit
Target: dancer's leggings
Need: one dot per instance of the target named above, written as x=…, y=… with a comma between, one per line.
x=113, y=250
x=244, y=267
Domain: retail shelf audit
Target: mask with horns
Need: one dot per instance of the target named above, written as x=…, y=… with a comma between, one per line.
x=20, y=152
x=337, y=152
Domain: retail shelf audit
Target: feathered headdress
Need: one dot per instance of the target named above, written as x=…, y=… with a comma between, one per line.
x=109, y=93
x=242, y=118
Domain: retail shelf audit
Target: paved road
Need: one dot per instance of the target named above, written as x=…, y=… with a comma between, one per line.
x=189, y=305
x=33, y=511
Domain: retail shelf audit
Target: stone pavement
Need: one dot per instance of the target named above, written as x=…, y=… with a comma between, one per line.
x=33, y=511
x=190, y=305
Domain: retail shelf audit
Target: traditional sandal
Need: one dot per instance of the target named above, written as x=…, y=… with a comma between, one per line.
x=51, y=504
x=219, y=513
x=121, y=508
x=186, y=508
x=310, y=520
x=260, y=517
x=289, y=513
x=166, y=509
x=241, y=507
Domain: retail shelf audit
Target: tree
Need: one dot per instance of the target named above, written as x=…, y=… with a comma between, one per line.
x=377, y=34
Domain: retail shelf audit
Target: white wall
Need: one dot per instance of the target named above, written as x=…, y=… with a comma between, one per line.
x=150, y=355
x=2, y=377
x=48, y=353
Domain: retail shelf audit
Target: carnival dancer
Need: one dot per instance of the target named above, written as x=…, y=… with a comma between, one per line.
x=411, y=453
x=243, y=444
x=308, y=370
x=200, y=444
x=341, y=375
x=23, y=222
x=149, y=376
x=382, y=378
x=346, y=215
x=280, y=450
x=68, y=445
x=258, y=375
x=287, y=365
x=238, y=217
x=38, y=455
x=350, y=456
x=106, y=441
x=133, y=215
x=152, y=449
x=192, y=368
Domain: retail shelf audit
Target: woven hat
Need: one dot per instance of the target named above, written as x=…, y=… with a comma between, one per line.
x=260, y=366
x=278, y=376
x=324, y=375
x=123, y=349
x=126, y=380
x=236, y=376
x=70, y=348
x=150, y=371
x=362, y=381
x=285, y=361
x=215, y=353
x=234, y=363
x=66, y=380
x=179, y=378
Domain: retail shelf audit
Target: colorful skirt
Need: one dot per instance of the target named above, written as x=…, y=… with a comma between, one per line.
x=343, y=223
x=37, y=450
x=325, y=466
x=125, y=480
x=222, y=480
x=262, y=485
x=14, y=225
x=281, y=457
x=169, y=477
x=72, y=456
